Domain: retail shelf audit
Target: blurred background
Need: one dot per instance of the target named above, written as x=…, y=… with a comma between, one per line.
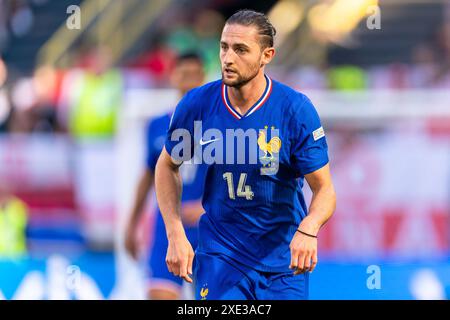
x=79, y=80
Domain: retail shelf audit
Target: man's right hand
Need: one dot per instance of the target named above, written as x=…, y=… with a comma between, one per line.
x=180, y=256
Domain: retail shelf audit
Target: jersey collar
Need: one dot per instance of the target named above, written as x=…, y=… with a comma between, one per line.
x=258, y=104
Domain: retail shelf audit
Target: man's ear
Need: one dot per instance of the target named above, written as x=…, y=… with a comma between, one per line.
x=268, y=55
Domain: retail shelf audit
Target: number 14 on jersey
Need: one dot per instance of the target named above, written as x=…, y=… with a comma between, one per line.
x=243, y=190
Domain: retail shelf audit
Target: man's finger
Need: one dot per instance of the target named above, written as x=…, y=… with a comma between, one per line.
x=175, y=267
x=301, y=260
x=187, y=278
x=190, y=262
x=294, y=258
x=183, y=268
x=300, y=263
x=169, y=263
x=307, y=264
x=184, y=272
x=314, y=261
x=176, y=270
x=299, y=271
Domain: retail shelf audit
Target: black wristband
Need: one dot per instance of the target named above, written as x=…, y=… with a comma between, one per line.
x=307, y=234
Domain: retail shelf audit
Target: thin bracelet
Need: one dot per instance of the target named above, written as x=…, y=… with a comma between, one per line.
x=306, y=234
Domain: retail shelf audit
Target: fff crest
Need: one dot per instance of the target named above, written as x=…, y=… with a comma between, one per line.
x=270, y=145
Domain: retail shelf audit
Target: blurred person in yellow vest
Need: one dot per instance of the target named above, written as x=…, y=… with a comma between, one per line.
x=13, y=224
x=347, y=77
x=94, y=111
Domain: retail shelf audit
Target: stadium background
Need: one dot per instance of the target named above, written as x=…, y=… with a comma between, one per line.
x=74, y=103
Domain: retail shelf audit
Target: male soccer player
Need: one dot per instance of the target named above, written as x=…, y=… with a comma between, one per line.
x=256, y=240
x=187, y=74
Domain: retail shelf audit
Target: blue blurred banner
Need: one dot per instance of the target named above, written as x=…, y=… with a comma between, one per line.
x=381, y=280
x=58, y=277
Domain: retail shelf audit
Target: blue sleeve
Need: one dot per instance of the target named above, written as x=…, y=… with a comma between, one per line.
x=309, y=150
x=152, y=151
x=180, y=136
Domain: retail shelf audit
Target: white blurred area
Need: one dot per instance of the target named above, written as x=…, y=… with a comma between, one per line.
x=425, y=285
x=74, y=106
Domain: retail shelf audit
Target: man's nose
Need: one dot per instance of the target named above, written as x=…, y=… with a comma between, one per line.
x=228, y=58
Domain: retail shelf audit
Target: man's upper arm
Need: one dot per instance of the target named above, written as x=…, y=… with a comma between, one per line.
x=167, y=160
x=309, y=147
x=319, y=178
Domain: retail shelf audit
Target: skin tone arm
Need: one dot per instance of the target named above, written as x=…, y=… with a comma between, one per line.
x=304, y=248
x=191, y=211
x=145, y=184
x=180, y=254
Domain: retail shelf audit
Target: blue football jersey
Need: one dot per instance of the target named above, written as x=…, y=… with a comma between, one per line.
x=193, y=175
x=256, y=164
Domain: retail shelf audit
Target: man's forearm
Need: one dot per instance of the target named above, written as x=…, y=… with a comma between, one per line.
x=321, y=209
x=144, y=186
x=168, y=186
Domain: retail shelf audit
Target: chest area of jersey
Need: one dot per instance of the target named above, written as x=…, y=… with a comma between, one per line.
x=260, y=144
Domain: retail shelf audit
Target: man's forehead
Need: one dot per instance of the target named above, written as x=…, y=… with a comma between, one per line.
x=236, y=33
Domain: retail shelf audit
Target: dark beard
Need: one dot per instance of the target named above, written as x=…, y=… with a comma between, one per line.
x=240, y=81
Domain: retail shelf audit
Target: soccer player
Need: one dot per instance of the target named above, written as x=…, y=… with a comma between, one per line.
x=257, y=240
x=187, y=74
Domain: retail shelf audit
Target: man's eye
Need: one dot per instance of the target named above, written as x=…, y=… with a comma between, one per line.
x=240, y=50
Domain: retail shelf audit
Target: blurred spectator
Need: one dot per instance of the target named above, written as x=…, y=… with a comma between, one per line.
x=158, y=61
x=443, y=41
x=23, y=99
x=3, y=73
x=442, y=78
x=13, y=224
x=46, y=82
x=5, y=108
x=307, y=77
x=423, y=66
x=3, y=27
x=347, y=77
x=202, y=36
x=29, y=106
x=390, y=76
x=21, y=17
x=92, y=96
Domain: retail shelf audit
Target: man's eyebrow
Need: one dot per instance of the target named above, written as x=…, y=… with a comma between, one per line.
x=239, y=44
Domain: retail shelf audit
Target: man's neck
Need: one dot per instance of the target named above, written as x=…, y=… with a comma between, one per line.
x=243, y=98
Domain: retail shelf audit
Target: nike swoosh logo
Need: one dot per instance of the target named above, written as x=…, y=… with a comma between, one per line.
x=202, y=142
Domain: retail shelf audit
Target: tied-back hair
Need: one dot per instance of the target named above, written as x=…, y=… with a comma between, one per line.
x=253, y=18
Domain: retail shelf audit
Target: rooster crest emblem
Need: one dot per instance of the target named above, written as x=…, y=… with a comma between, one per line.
x=203, y=293
x=270, y=150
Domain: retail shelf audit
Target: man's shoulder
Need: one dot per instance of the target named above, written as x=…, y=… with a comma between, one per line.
x=206, y=90
x=289, y=93
x=291, y=99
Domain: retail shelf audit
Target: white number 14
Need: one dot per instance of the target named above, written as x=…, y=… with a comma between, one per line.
x=242, y=190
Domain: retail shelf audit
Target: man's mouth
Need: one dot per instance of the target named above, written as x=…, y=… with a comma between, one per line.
x=229, y=73
x=228, y=70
